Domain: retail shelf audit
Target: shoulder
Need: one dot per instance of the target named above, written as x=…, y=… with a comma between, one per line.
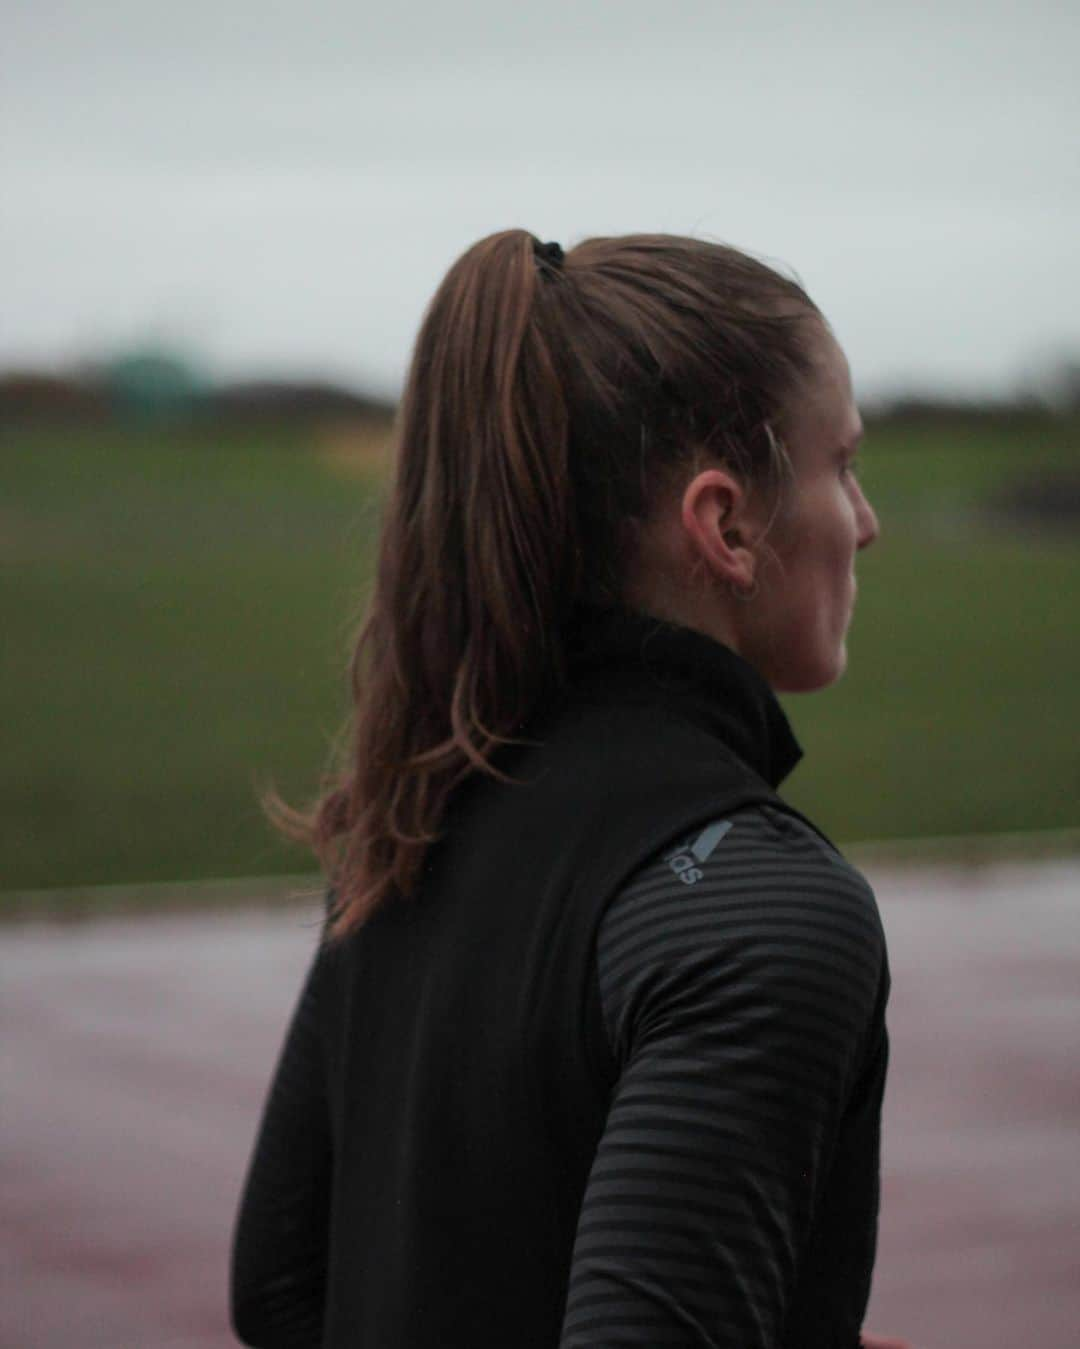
x=759, y=859
x=753, y=909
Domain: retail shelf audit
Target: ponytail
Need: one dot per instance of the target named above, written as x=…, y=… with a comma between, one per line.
x=475, y=572
x=550, y=399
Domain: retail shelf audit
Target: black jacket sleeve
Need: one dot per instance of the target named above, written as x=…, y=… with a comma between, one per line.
x=279, y=1255
x=732, y=1202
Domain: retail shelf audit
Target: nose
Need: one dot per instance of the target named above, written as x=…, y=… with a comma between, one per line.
x=867, y=522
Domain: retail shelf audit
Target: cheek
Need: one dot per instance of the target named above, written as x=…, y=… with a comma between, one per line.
x=838, y=544
x=814, y=563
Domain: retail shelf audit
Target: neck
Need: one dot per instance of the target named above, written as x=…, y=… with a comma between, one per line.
x=618, y=654
x=687, y=610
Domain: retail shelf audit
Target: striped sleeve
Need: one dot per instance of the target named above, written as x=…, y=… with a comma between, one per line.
x=740, y=977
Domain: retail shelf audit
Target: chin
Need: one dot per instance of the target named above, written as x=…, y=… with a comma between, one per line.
x=810, y=676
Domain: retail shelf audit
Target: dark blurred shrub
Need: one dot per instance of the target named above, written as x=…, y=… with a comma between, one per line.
x=287, y=400
x=913, y=410
x=1046, y=502
x=27, y=395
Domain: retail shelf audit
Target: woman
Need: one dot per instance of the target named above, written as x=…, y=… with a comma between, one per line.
x=593, y=1049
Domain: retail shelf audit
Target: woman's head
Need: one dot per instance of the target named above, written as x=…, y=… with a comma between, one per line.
x=608, y=426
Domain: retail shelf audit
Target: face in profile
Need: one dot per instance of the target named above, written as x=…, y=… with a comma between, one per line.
x=795, y=627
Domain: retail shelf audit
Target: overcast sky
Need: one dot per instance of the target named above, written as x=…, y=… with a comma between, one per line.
x=280, y=187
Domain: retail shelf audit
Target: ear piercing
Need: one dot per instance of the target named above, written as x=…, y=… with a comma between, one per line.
x=744, y=593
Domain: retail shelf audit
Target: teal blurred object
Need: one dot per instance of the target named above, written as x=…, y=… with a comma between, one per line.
x=152, y=383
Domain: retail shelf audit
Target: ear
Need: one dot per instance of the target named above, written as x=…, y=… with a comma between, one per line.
x=718, y=527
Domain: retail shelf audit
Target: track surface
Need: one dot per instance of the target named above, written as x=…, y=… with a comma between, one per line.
x=136, y=1054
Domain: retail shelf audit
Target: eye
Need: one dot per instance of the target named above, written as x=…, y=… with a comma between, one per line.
x=851, y=467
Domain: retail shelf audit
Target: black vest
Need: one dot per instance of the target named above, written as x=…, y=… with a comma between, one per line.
x=468, y=1064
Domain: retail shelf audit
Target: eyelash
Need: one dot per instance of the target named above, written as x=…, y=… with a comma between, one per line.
x=852, y=466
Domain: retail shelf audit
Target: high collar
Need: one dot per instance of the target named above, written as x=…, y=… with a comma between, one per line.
x=710, y=683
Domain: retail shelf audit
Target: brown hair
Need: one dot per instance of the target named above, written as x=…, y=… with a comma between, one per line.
x=549, y=401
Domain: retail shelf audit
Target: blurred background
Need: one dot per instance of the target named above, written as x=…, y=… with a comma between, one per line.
x=222, y=223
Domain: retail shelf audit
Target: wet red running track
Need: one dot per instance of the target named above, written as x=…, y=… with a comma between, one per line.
x=136, y=1053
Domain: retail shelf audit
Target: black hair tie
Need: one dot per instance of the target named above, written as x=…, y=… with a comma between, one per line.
x=550, y=253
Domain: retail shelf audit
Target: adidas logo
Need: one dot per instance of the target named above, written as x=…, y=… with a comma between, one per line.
x=688, y=858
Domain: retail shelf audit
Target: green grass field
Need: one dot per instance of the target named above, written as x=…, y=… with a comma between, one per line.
x=178, y=604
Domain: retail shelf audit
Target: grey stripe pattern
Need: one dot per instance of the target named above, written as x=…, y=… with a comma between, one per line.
x=743, y=1009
